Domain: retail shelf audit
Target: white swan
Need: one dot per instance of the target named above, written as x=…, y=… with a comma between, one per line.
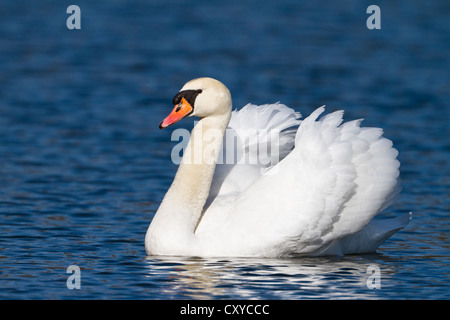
x=320, y=199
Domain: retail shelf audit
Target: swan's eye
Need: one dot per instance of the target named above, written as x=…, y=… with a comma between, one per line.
x=189, y=95
x=177, y=98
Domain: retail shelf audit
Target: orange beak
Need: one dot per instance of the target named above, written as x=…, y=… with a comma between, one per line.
x=181, y=110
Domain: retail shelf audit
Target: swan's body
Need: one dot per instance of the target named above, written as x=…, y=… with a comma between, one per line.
x=320, y=198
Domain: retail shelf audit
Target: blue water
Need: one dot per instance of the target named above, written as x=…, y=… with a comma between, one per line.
x=84, y=165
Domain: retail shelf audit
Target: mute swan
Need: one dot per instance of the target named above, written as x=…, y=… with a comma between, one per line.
x=319, y=199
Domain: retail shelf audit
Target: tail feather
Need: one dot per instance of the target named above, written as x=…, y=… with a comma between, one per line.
x=373, y=235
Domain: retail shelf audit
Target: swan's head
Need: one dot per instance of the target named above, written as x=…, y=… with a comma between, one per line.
x=202, y=97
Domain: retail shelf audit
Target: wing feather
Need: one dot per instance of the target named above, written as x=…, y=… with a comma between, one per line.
x=335, y=180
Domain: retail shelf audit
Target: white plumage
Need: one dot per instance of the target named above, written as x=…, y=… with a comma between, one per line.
x=318, y=197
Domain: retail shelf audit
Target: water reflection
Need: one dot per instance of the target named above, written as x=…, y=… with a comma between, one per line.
x=252, y=278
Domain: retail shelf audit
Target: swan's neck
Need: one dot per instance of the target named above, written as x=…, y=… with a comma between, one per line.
x=191, y=185
x=182, y=207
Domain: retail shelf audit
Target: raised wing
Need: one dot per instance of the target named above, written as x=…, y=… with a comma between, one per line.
x=335, y=180
x=257, y=138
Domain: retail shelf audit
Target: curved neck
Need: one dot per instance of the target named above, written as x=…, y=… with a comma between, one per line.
x=181, y=209
x=192, y=182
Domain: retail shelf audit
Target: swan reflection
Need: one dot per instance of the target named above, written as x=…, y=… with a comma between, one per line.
x=251, y=278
